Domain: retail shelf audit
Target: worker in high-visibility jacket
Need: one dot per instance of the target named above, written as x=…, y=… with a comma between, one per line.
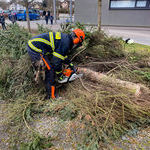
x=53, y=49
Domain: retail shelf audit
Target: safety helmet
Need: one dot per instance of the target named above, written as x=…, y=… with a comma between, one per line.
x=80, y=36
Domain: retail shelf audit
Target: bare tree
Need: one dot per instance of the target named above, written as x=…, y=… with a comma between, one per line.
x=48, y=4
x=13, y=1
x=26, y=4
x=99, y=15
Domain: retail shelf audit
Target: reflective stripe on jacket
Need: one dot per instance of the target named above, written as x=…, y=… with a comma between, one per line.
x=55, y=44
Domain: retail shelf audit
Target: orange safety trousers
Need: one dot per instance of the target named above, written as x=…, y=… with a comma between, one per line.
x=50, y=78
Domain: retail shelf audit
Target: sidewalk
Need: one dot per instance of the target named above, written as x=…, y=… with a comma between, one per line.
x=34, y=24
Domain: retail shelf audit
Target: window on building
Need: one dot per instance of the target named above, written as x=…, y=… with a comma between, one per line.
x=129, y=4
x=141, y=3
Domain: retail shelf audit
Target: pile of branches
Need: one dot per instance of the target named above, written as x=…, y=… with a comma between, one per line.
x=13, y=41
x=16, y=71
x=99, y=47
x=104, y=47
x=106, y=112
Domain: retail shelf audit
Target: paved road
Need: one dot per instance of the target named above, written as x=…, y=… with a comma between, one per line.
x=139, y=35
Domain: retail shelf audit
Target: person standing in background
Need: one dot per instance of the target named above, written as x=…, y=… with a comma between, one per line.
x=44, y=13
x=2, y=21
x=46, y=17
x=51, y=19
x=49, y=14
x=13, y=18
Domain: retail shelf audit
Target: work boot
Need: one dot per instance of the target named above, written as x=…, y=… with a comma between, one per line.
x=58, y=98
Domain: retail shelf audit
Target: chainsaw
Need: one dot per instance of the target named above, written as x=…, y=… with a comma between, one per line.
x=69, y=75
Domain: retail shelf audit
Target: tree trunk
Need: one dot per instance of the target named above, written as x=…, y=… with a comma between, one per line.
x=54, y=9
x=27, y=18
x=135, y=88
x=99, y=15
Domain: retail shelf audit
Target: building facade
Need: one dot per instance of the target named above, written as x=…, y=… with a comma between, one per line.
x=114, y=12
x=16, y=7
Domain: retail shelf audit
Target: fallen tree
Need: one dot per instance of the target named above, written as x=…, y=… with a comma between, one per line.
x=135, y=88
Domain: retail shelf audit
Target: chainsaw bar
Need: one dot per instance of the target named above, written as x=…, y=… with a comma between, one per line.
x=73, y=77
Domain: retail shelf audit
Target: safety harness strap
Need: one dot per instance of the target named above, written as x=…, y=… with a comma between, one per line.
x=46, y=63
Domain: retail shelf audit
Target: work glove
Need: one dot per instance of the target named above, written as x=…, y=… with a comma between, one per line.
x=61, y=77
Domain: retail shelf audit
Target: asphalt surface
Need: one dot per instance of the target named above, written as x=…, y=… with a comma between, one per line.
x=139, y=35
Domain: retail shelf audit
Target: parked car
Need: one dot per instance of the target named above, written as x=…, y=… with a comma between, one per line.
x=37, y=12
x=14, y=11
x=21, y=15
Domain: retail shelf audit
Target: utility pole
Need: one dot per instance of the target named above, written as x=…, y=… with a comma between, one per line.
x=71, y=11
x=54, y=6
